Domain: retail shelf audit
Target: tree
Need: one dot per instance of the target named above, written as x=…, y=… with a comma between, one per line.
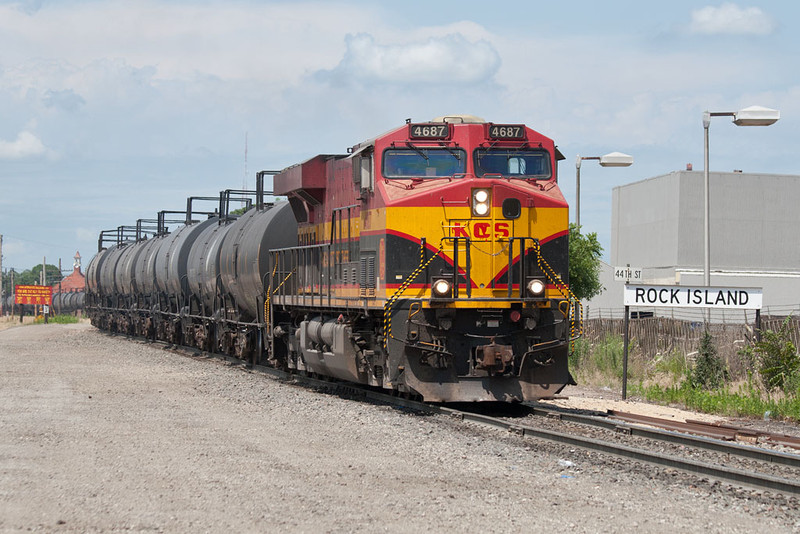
x=52, y=274
x=584, y=263
x=30, y=277
x=709, y=369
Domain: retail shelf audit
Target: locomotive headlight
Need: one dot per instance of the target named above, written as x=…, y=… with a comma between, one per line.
x=481, y=202
x=536, y=287
x=441, y=288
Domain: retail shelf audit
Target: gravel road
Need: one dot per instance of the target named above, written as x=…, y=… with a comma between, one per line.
x=101, y=434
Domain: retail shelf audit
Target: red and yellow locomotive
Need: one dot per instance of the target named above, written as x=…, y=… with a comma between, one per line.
x=431, y=260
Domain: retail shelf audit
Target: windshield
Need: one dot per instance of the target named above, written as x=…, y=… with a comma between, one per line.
x=513, y=163
x=421, y=162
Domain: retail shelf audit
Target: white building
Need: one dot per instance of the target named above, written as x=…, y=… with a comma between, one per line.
x=657, y=224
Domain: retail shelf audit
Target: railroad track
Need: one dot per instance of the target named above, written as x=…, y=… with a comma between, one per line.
x=739, y=477
x=746, y=478
x=676, y=433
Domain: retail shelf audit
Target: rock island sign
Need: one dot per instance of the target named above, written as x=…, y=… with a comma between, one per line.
x=732, y=298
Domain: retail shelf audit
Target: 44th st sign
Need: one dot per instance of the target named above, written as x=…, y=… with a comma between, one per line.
x=732, y=298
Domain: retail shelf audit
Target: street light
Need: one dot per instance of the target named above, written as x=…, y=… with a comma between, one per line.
x=614, y=159
x=752, y=116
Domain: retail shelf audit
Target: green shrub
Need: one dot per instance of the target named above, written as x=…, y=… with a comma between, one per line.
x=778, y=361
x=709, y=370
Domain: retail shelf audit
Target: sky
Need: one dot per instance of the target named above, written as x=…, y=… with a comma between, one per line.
x=111, y=111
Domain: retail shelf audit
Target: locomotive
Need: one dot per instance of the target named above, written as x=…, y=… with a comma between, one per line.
x=431, y=261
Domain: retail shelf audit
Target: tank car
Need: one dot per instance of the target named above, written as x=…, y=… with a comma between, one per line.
x=68, y=301
x=201, y=285
x=430, y=261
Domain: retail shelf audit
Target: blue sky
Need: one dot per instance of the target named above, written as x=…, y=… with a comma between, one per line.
x=113, y=110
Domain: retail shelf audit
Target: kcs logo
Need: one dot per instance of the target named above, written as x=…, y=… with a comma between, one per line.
x=481, y=230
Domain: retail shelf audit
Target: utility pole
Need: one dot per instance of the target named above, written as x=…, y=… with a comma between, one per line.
x=14, y=289
x=60, y=298
x=1, y=275
x=43, y=278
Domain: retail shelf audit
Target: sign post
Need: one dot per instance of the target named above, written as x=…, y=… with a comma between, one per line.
x=626, y=327
x=730, y=298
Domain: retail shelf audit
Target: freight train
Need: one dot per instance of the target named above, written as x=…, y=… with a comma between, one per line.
x=65, y=302
x=431, y=261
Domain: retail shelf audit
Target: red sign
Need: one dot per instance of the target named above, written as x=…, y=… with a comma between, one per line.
x=33, y=295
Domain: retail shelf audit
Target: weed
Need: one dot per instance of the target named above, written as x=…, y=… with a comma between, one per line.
x=579, y=353
x=779, y=363
x=673, y=364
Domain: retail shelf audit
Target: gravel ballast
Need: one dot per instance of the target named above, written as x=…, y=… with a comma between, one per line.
x=103, y=434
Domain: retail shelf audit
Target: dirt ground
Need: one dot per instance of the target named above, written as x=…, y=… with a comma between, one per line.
x=9, y=321
x=102, y=434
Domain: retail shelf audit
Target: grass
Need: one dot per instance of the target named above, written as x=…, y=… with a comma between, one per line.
x=745, y=402
x=665, y=379
x=58, y=319
x=601, y=359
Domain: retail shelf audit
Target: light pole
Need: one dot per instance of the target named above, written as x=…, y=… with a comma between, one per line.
x=614, y=159
x=752, y=116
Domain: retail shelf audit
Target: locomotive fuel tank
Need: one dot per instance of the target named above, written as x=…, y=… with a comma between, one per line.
x=244, y=255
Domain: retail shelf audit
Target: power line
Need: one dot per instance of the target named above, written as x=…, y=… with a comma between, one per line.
x=37, y=242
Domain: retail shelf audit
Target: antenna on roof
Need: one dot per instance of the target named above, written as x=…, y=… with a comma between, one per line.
x=244, y=176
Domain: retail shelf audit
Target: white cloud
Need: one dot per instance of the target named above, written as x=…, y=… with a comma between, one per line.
x=66, y=100
x=731, y=19
x=85, y=234
x=231, y=40
x=26, y=145
x=449, y=59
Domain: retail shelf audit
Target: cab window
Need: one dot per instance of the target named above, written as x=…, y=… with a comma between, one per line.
x=513, y=163
x=420, y=162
